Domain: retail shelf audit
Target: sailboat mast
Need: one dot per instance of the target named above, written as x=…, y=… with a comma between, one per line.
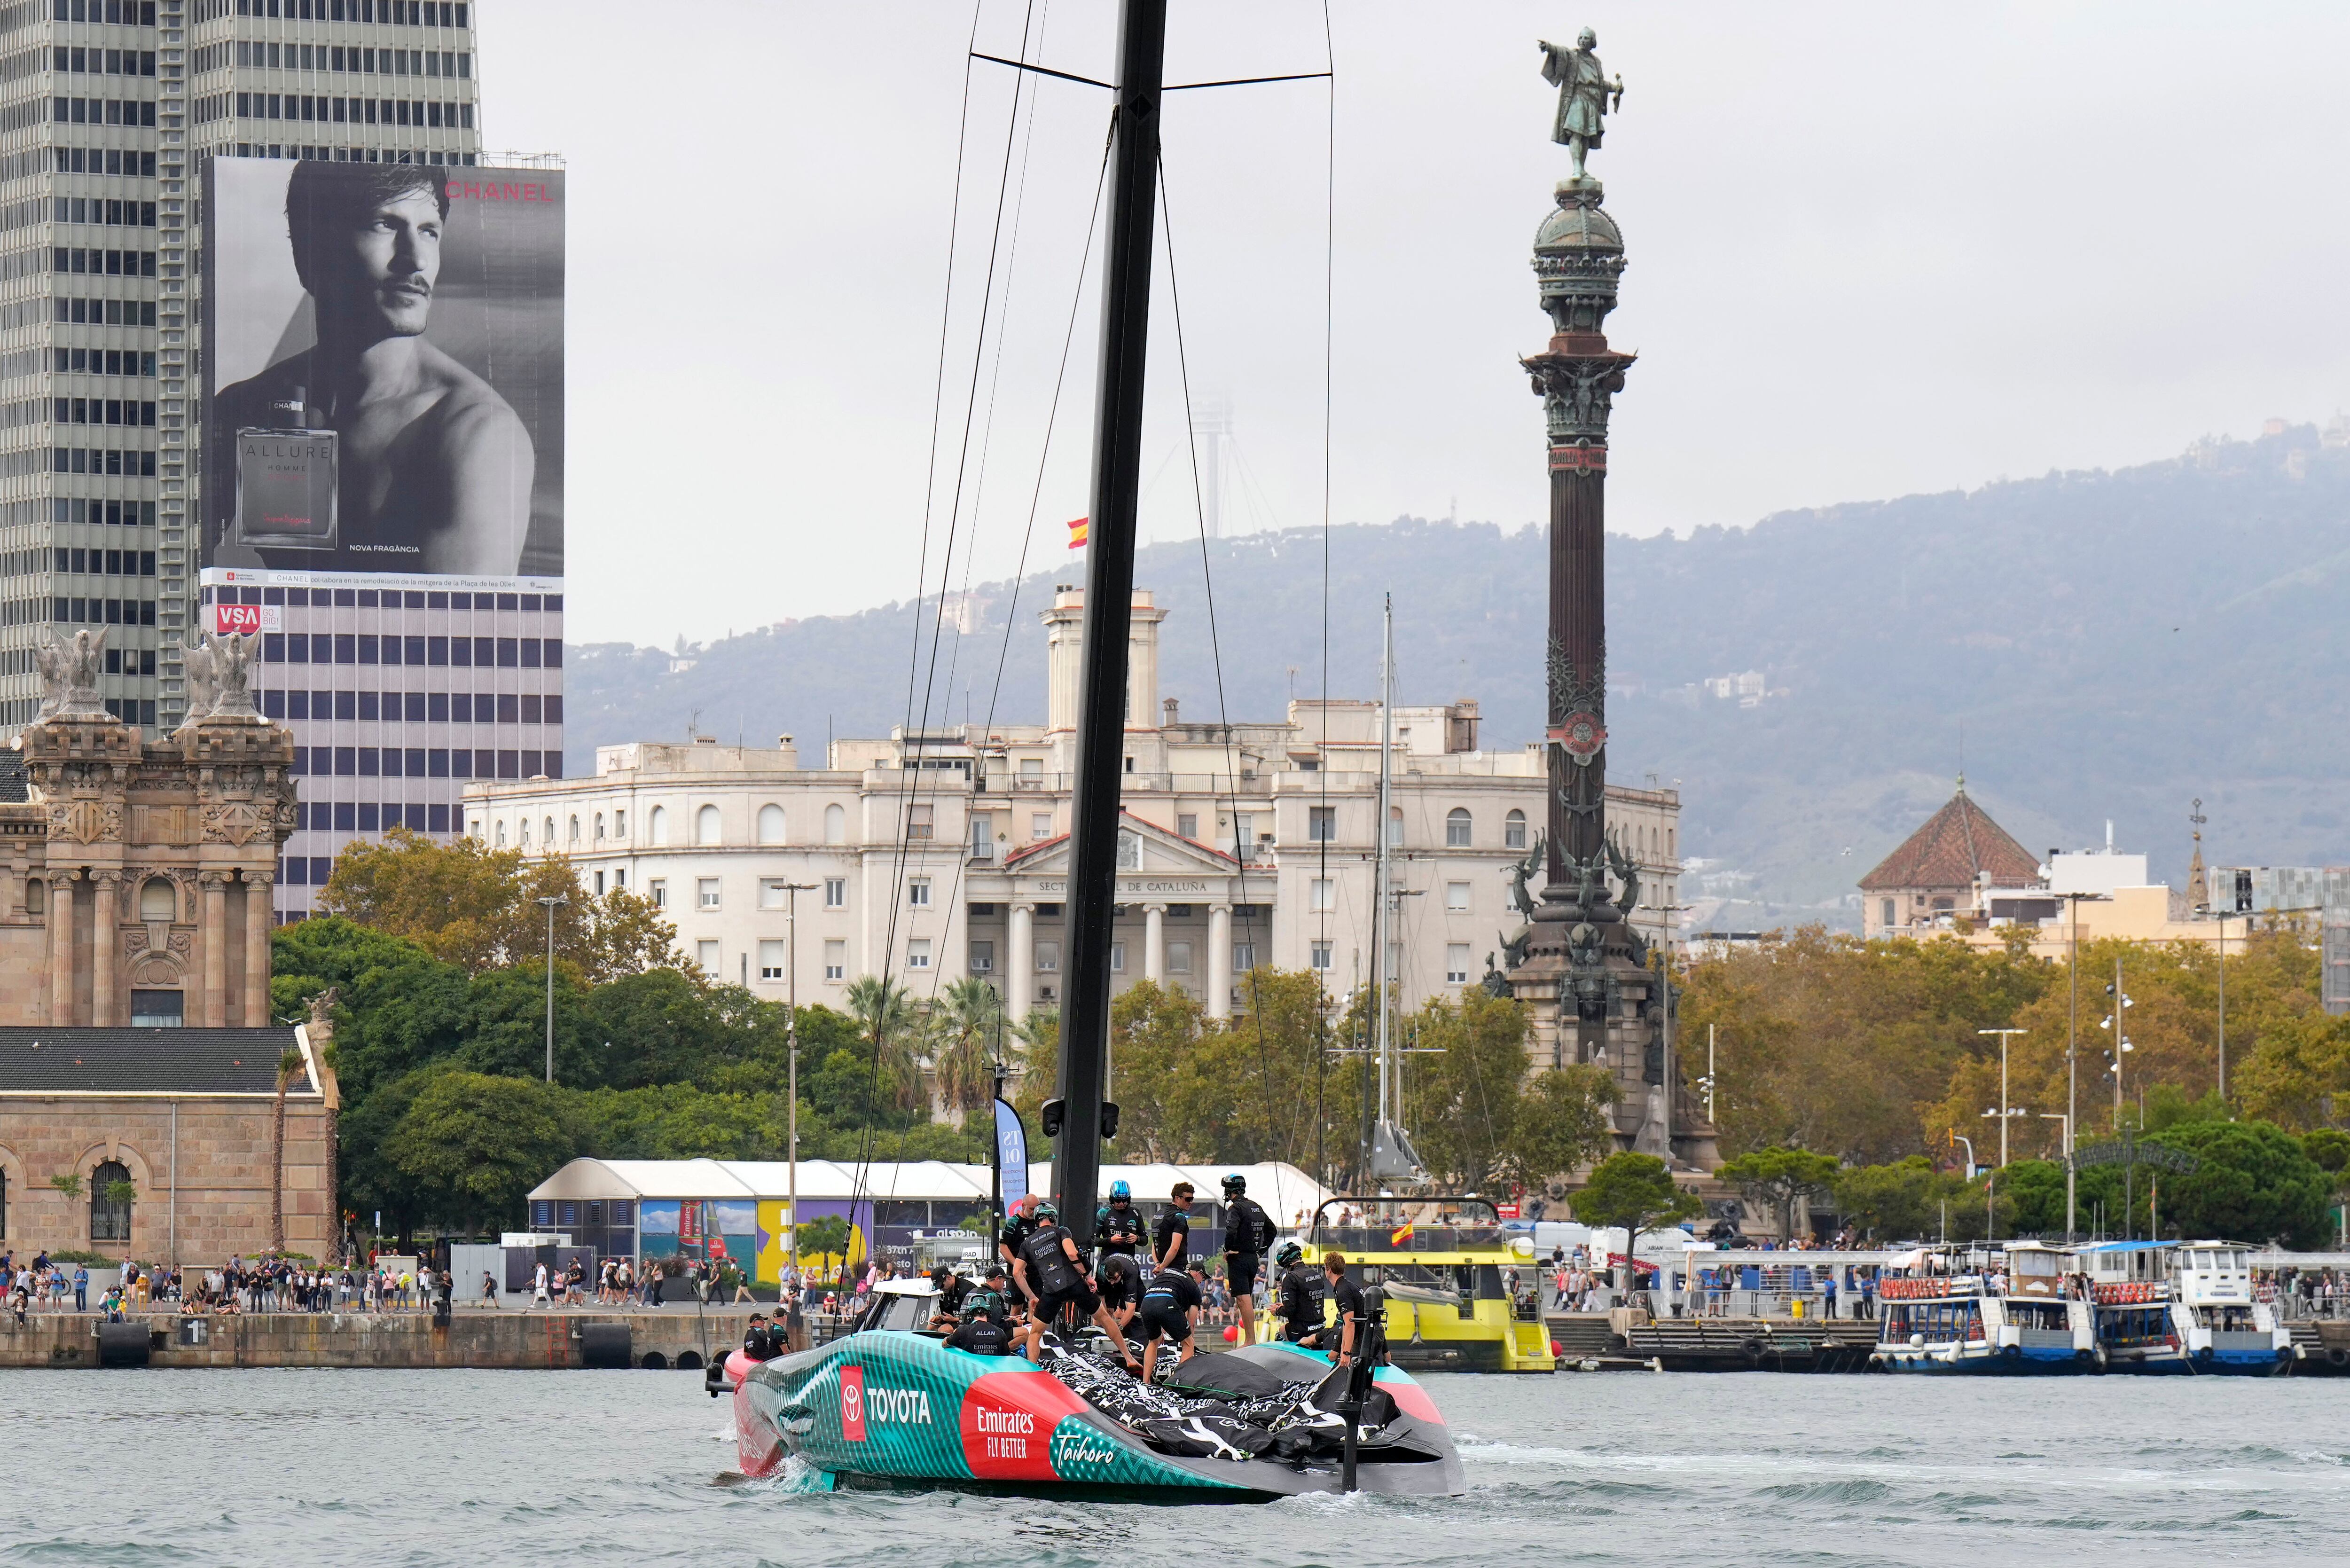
x=1383, y=912
x=1109, y=596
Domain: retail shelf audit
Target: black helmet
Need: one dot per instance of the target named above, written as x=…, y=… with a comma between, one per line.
x=982, y=1304
x=1235, y=1184
x=1289, y=1254
x=1047, y=1212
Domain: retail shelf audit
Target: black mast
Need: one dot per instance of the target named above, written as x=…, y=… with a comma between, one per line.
x=1109, y=594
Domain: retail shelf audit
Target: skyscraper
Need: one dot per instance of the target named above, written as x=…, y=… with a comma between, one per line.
x=107, y=110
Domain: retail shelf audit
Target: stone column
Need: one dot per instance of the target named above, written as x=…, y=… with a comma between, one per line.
x=1219, y=960
x=216, y=937
x=105, y=938
x=61, y=976
x=1020, y=962
x=1154, y=944
x=257, y=918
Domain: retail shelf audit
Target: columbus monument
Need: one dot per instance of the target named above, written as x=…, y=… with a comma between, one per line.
x=1596, y=993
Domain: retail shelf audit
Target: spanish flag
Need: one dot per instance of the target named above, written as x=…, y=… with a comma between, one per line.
x=1400, y=1235
x=1077, y=532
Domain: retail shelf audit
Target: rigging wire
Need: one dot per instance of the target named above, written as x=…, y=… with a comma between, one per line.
x=1322, y=762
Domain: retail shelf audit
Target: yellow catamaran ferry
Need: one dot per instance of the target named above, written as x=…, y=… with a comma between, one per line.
x=1446, y=1267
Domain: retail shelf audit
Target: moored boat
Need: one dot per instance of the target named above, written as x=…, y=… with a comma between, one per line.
x=1982, y=1311
x=1443, y=1265
x=2224, y=1328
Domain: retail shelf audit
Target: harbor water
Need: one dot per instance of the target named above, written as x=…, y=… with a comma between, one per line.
x=415, y=1470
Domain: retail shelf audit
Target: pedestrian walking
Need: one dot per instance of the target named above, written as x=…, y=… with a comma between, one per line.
x=538, y=1292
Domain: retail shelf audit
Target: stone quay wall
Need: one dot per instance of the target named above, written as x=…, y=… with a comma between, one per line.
x=508, y=1340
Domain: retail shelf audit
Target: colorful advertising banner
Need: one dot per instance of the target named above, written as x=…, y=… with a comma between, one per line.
x=383, y=356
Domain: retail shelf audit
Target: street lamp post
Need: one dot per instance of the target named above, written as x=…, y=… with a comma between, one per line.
x=550, y=906
x=2005, y=1110
x=2072, y=1061
x=792, y=891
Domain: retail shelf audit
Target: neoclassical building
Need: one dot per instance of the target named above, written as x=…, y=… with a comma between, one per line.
x=140, y=1067
x=939, y=854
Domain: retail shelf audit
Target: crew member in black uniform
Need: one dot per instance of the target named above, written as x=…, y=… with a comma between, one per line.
x=1170, y=1311
x=1121, y=1278
x=1117, y=1224
x=1347, y=1297
x=1018, y=1226
x=1299, y=1305
x=1059, y=1278
x=1172, y=1240
x=979, y=1332
x=1248, y=1235
x=759, y=1340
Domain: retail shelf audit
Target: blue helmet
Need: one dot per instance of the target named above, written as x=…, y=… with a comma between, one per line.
x=1118, y=1189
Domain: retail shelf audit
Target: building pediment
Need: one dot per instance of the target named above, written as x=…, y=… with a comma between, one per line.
x=1152, y=863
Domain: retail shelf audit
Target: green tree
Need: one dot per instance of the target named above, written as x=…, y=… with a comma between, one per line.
x=476, y=1144
x=2253, y=1181
x=1782, y=1177
x=1895, y=1202
x=893, y=1030
x=965, y=1023
x=1563, y=1122
x=1636, y=1192
x=827, y=1236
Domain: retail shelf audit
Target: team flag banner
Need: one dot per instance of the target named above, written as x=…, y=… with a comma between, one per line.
x=1400, y=1235
x=1077, y=532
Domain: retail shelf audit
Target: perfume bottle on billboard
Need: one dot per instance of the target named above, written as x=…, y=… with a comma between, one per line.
x=286, y=479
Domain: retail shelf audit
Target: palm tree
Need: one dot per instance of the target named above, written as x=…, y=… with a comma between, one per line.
x=966, y=1022
x=893, y=1024
x=289, y=1067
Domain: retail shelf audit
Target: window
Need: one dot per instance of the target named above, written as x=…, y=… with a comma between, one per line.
x=1395, y=827
x=110, y=1202
x=836, y=825
x=1040, y=826
x=1032, y=770
x=1048, y=958
x=1187, y=826
x=705, y=893
x=1322, y=898
x=770, y=960
x=1322, y=823
x=983, y=836
x=1118, y=958
x=620, y=879
x=773, y=895
x=1320, y=957
x=157, y=899
x=920, y=821
x=1178, y=957
x=917, y=953
x=1514, y=830
x=705, y=825
x=1456, y=963
x=574, y=830
x=1244, y=957
x=659, y=888
x=771, y=824
x=836, y=960
x=706, y=955
x=545, y=837
x=158, y=1009
x=835, y=892
x=599, y=827
x=657, y=825
x=1887, y=917
x=619, y=825
x=917, y=892
x=1456, y=898
x=1456, y=828
x=982, y=957
x=600, y=883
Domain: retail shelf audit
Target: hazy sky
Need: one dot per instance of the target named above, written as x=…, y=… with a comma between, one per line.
x=1874, y=249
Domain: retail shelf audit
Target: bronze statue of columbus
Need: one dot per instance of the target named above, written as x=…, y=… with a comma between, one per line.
x=1584, y=93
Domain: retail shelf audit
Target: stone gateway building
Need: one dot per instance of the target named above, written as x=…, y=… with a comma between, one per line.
x=138, y=1056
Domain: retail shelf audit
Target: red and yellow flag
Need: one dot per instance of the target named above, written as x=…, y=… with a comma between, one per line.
x=1400, y=1235
x=1077, y=532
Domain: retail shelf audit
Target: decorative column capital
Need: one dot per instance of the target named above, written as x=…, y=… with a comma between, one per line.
x=261, y=880
x=213, y=881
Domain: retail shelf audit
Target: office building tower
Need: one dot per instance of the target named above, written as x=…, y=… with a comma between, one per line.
x=108, y=108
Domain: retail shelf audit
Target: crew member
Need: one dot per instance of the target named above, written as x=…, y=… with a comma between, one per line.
x=1347, y=1297
x=980, y=1333
x=1118, y=1226
x=759, y=1340
x=1121, y=1284
x=1059, y=1278
x=1005, y=1308
x=1018, y=1226
x=1172, y=1240
x=1300, y=1301
x=952, y=1289
x=1248, y=1235
x=1170, y=1311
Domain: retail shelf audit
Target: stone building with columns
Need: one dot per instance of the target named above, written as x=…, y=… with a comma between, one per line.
x=138, y=1062
x=942, y=853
